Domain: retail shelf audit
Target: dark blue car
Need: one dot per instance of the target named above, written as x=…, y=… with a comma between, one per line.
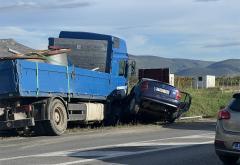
x=155, y=100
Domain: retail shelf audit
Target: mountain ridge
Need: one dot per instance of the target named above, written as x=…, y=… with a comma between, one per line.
x=189, y=67
x=178, y=66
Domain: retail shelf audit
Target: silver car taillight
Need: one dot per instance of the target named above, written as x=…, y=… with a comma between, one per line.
x=224, y=115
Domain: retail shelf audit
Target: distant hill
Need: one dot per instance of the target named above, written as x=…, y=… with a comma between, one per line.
x=181, y=67
x=5, y=44
x=186, y=67
x=175, y=65
x=223, y=68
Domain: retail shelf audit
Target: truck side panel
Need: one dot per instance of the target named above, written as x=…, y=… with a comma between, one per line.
x=41, y=79
x=8, y=78
x=90, y=84
x=32, y=79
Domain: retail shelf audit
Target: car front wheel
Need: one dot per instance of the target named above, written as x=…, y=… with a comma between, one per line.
x=133, y=107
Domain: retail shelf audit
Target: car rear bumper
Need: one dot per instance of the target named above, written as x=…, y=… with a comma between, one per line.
x=11, y=124
x=227, y=139
x=159, y=101
x=227, y=152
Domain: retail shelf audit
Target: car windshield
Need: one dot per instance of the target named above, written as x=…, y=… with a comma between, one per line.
x=235, y=105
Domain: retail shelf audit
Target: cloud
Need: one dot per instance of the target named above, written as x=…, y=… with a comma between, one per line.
x=33, y=39
x=149, y=27
x=139, y=40
x=57, y=4
x=222, y=45
x=132, y=27
x=72, y=5
x=206, y=0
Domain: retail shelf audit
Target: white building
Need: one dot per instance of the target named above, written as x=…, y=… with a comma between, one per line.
x=171, y=79
x=207, y=81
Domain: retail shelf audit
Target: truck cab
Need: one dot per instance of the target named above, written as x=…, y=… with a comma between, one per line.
x=98, y=52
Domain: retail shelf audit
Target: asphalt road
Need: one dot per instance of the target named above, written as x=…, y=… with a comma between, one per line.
x=178, y=144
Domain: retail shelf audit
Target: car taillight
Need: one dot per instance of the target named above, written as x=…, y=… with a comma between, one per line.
x=178, y=95
x=224, y=115
x=144, y=86
x=219, y=144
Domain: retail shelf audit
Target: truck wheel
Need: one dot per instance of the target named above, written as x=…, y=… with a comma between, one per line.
x=133, y=106
x=114, y=114
x=58, y=118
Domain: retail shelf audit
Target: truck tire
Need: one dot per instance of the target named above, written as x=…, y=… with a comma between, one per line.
x=58, y=118
x=114, y=114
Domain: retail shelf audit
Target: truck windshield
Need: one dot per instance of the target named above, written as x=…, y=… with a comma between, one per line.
x=85, y=53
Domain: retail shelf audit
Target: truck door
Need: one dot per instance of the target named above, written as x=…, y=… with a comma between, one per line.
x=119, y=72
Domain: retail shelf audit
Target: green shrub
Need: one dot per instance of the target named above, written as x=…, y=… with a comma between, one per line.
x=207, y=102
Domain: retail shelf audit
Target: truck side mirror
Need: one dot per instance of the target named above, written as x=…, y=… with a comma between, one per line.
x=133, y=68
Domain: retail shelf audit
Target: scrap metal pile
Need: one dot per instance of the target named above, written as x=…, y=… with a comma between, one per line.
x=54, y=55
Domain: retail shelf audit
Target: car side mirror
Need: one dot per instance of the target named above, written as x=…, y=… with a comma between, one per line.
x=133, y=68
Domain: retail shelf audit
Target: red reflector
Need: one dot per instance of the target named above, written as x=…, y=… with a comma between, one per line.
x=144, y=86
x=223, y=114
x=178, y=95
x=26, y=108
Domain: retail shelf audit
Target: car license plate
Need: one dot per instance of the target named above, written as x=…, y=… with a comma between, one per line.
x=236, y=146
x=162, y=90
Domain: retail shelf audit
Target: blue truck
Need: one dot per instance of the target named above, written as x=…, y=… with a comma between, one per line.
x=46, y=96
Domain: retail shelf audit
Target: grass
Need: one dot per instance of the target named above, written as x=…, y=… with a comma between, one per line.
x=207, y=102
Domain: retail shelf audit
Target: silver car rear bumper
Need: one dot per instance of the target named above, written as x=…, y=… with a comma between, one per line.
x=228, y=139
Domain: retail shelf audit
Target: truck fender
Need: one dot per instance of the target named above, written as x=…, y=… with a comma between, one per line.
x=49, y=101
x=118, y=94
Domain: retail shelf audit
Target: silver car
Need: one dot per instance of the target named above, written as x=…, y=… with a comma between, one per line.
x=227, y=139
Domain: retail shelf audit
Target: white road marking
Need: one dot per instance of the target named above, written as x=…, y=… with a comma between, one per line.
x=127, y=154
x=85, y=153
x=139, y=143
x=166, y=144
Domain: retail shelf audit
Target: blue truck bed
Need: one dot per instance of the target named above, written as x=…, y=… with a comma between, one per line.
x=22, y=78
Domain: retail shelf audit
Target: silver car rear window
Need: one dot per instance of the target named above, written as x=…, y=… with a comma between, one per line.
x=235, y=105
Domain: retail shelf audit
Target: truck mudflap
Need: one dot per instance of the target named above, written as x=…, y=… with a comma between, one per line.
x=11, y=124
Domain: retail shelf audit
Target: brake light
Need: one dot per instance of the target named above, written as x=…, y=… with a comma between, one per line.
x=178, y=95
x=224, y=115
x=144, y=86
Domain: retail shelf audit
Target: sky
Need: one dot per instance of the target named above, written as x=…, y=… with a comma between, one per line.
x=191, y=29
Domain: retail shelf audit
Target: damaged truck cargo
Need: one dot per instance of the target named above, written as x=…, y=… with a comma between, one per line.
x=45, y=92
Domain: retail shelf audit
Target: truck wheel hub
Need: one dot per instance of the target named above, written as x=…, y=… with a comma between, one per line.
x=57, y=117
